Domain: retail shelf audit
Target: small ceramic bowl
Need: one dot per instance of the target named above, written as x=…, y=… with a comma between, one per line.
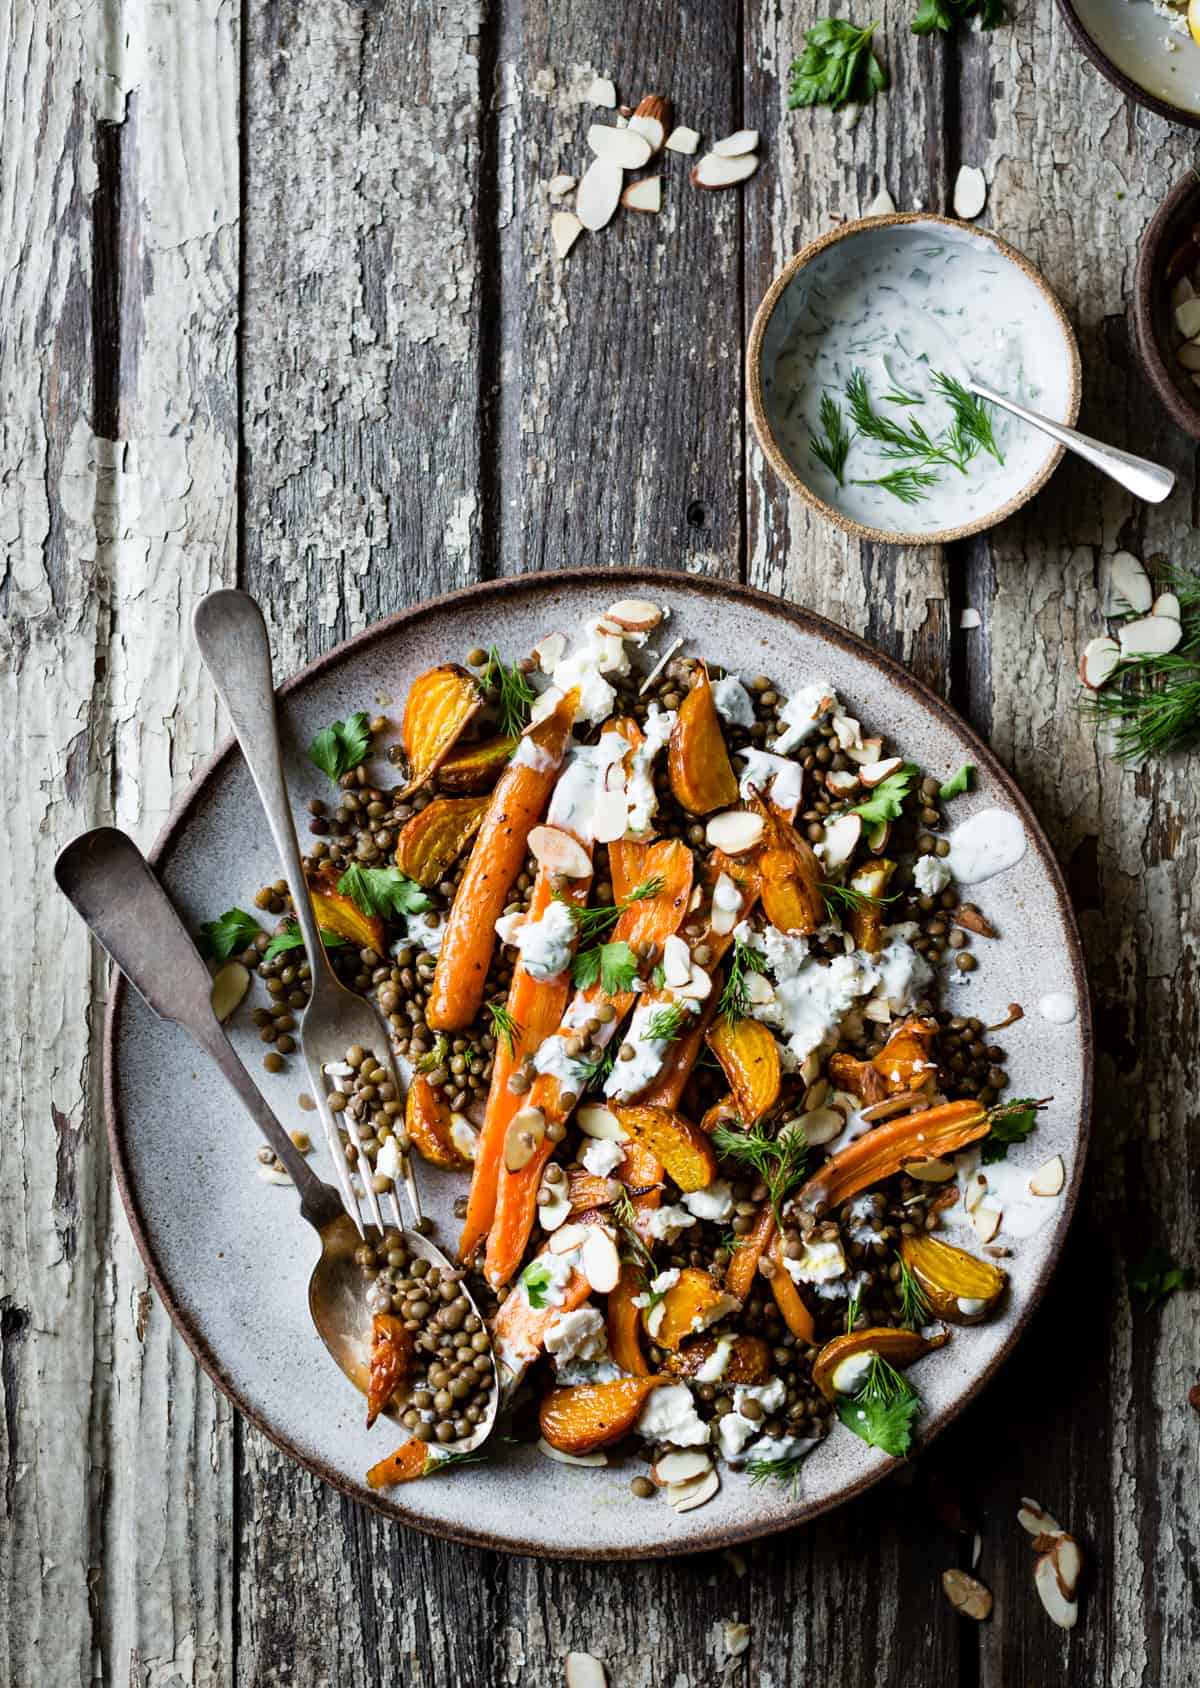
x=1140, y=51
x=842, y=284
x=1154, y=329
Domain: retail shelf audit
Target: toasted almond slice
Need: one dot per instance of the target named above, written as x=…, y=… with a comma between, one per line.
x=610, y=816
x=558, y=186
x=601, y=93
x=600, y=1262
x=1129, y=583
x=464, y=1136
x=738, y=144
x=645, y=195
x=1189, y=354
x=595, y=1120
x=550, y=651
x=1034, y=1518
x=879, y=837
x=1182, y=290
x=1101, y=657
x=734, y=831
x=970, y=192
x=525, y=1131
x=1049, y=1178
x=1167, y=604
x=848, y=730
x=1153, y=635
x=736, y=1638
x=1059, y=1608
x=986, y=1220
x=934, y=1171
x=974, y=1193
x=713, y=171
x=822, y=1125
x=554, y=1212
x=865, y=752
x=682, y=1467
x=619, y=146
x=567, y=1238
x=229, y=986
x=584, y=1671
x=1187, y=318
x=565, y=230
x=683, y=140
x=559, y=852
x=599, y=193
x=599, y=1457
x=1068, y=1563
x=967, y=1594
x=878, y=1009
x=883, y=205
x=816, y=1094
x=698, y=987
x=874, y=773
x=841, y=840
x=677, y=962
x=651, y=129
x=902, y=1103
x=759, y=990
x=842, y=781
x=634, y=615
x=685, y=1497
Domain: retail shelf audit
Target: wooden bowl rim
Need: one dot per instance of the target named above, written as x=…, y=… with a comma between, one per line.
x=1147, y=281
x=1119, y=78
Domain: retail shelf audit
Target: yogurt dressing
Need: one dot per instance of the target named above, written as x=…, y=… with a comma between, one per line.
x=987, y=844
x=1058, y=1008
x=901, y=304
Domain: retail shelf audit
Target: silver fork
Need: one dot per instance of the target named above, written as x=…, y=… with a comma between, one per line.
x=232, y=637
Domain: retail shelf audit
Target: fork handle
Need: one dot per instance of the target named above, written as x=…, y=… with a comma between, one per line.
x=232, y=637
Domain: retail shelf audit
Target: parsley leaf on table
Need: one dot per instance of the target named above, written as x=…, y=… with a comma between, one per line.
x=1011, y=1123
x=291, y=939
x=887, y=800
x=342, y=746
x=958, y=784
x=836, y=66
x=944, y=14
x=233, y=930
x=382, y=890
x=1156, y=1275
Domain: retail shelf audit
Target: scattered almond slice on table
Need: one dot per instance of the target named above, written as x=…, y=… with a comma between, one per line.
x=1058, y=1566
x=714, y=171
x=599, y=193
x=683, y=140
x=652, y=118
x=585, y=1671
x=1129, y=582
x=1099, y=661
x=565, y=230
x=1152, y=635
x=970, y=192
x=738, y=144
x=557, y=186
x=737, y=1638
x=601, y=93
x=969, y=1597
x=623, y=146
x=645, y=195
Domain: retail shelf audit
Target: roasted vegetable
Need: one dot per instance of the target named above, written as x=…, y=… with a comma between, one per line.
x=624, y=1323
x=682, y=1147
x=743, y=1263
x=519, y=1329
x=790, y=873
x=427, y=1121
x=580, y=1419
x=587, y=1191
x=701, y=775
x=441, y=704
x=391, y=1360
x=749, y=1359
x=948, y=1277
x=915, y=1137
x=341, y=915
x=860, y=1078
x=749, y=1057
x=908, y=1059
x=433, y=840
x=475, y=767
x=691, y=1304
x=410, y=1461
x=788, y=1299
x=866, y=917
x=898, y=1346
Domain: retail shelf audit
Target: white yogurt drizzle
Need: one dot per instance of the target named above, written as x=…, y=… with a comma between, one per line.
x=989, y=843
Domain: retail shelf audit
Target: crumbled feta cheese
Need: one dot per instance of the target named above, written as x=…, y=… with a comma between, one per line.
x=602, y=1156
x=801, y=713
x=546, y=945
x=639, y=789
x=579, y=1335
x=665, y=1223
x=713, y=1369
x=770, y=1396
x=779, y=776
x=712, y=1315
x=596, y=655
x=426, y=930
x=733, y=1432
x=551, y=1273
x=508, y=925
x=387, y=1162
x=902, y=975
x=931, y=875
x=733, y=701
x=670, y=1416
x=781, y=1447
x=714, y=1203
x=591, y=771
x=820, y=1262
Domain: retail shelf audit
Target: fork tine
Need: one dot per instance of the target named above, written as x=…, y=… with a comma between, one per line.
x=363, y=1167
x=333, y=1143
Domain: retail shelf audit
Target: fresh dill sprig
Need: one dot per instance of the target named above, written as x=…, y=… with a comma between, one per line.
x=898, y=441
x=778, y=1161
x=972, y=421
x=734, y=1003
x=504, y=1027
x=785, y=1471
x=897, y=395
x=852, y=1307
x=515, y=696
x=839, y=898
x=1153, y=702
x=592, y=1074
x=883, y=1410
x=910, y=486
x=591, y=923
x=665, y=1024
x=831, y=446
x=914, y=1308
x=438, y=1462
x=624, y=1211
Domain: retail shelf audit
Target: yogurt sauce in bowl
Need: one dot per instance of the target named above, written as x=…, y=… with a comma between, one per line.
x=893, y=306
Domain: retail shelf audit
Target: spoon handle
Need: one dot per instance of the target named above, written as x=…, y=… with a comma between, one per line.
x=113, y=888
x=1136, y=474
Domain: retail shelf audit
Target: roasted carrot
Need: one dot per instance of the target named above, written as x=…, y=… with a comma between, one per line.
x=925, y=1136
x=519, y=1329
x=624, y=1324
x=649, y=921
x=410, y=1460
x=627, y=856
x=495, y=861
x=796, y=1315
x=668, y=1088
x=392, y=1355
x=743, y=1264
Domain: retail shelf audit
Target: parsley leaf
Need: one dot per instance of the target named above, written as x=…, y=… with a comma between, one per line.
x=515, y=696
x=234, y=930
x=618, y=967
x=883, y=1410
x=1156, y=1275
x=887, y=800
x=535, y=1281
x=837, y=65
x=342, y=746
x=382, y=890
x=944, y=14
x=960, y=783
x=291, y=939
x=1012, y=1123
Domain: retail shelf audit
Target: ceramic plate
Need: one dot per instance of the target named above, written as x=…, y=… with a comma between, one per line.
x=1141, y=52
x=230, y=1255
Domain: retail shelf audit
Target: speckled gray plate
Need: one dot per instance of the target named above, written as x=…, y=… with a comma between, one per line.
x=1135, y=46
x=230, y=1256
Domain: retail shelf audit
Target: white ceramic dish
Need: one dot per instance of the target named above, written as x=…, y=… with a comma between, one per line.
x=231, y=1257
x=864, y=296
x=1139, y=51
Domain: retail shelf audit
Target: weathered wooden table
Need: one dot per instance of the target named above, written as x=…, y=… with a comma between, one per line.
x=277, y=306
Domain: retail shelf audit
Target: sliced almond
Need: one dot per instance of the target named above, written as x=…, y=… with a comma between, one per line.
x=1068, y=1563
x=1034, y=1518
x=525, y=1131
x=595, y=1120
x=736, y=1638
x=1189, y=354
x=822, y=1125
x=713, y=171
x=683, y=140
x=685, y=1497
x=1182, y=290
x=933, y=1171
x=599, y=193
x=597, y=1458
x=229, y=986
x=1060, y=1610
x=967, y=1594
x=698, y=987
x=464, y=1136
x=583, y=1671
x=1154, y=635
x=558, y=186
x=842, y=782
x=902, y=1103
x=600, y=1263
x=878, y=1009
x=550, y=651
x=677, y=963
x=883, y=205
x=986, y=1220
x=565, y=230
x=601, y=93
x=1049, y=1178
x=681, y=1467
x=974, y=1193
x=567, y=1238
x=1167, y=604
x=610, y=816
x=1187, y=318
x=645, y=195
x=734, y=831
x=1100, y=660
x=555, y=1210
x=879, y=837
x=738, y=144
x=652, y=118
x=865, y=752
x=970, y=192
x=624, y=147
x=874, y=773
x=841, y=840
x=634, y=615
x=848, y=731
x=559, y=852
x=816, y=1094
x=1129, y=583
x=759, y=990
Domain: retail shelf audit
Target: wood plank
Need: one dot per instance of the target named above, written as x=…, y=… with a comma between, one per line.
x=116, y=474
x=1091, y=1416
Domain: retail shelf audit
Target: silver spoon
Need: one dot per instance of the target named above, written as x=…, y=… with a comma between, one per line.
x=1137, y=475
x=108, y=881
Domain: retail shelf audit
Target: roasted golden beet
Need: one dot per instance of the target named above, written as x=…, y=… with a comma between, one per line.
x=749, y=1057
x=749, y=1359
x=702, y=777
x=427, y=1122
x=693, y=1301
x=587, y=1416
x=674, y=1140
x=432, y=841
x=790, y=873
x=898, y=1346
x=908, y=1060
x=949, y=1276
x=339, y=914
x=475, y=768
x=866, y=918
x=441, y=704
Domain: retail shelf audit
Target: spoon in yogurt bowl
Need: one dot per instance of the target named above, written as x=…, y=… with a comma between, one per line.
x=1138, y=475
